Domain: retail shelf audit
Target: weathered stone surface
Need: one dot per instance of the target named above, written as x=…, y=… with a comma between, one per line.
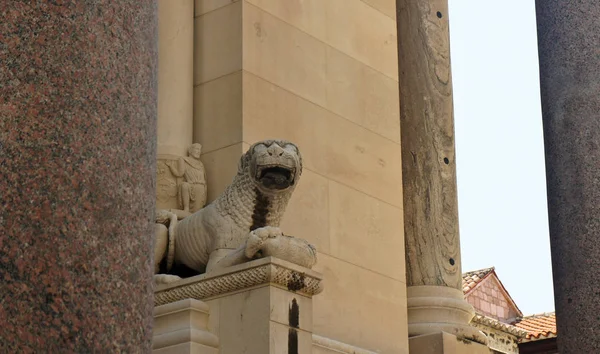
x=568, y=37
x=501, y=336
x=428, y=156
x=433, y=264
x=77, y=167
x=259, y=272
x=262, y=306
x=181, y=182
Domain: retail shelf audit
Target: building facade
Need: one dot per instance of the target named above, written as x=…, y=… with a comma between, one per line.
x=100, y=100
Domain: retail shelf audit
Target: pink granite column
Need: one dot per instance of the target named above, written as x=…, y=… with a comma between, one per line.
x=569, y=54
x=77, y=167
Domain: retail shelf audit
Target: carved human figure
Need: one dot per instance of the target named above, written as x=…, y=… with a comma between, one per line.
x=243, y=223
x=192, y=191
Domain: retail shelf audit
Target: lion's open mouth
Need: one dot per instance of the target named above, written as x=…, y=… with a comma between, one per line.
x=277, y=177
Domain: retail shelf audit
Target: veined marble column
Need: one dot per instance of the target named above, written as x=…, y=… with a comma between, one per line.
x=175, y=76
x=569, y=54
x=433, y=267
x=77, y=175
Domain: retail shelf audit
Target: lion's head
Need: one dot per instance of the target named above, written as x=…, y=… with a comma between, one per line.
x=272, y=165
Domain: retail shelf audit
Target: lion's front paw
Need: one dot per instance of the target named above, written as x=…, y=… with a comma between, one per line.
x=267, y=232
x=257, y=238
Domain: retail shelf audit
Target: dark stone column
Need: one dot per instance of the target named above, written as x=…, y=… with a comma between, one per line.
x=77, y=167
x=569, y=50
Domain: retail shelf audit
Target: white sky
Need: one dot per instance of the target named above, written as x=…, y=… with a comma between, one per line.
x=499, y=147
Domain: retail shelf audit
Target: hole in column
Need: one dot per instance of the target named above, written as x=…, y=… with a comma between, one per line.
x=569, y=300
x=451, y=261
x=439, y=14
x=446, y=161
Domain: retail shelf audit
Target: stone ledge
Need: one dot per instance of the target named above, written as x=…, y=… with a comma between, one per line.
x=444, y=343
x=184, y=336
x=182, y=327
x=335, y=346
x=264, y=271
x=495, y=324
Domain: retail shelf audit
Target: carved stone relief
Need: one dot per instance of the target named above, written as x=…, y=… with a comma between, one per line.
x=181, y=182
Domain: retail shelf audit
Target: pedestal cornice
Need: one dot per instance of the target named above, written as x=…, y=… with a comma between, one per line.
x=264, y=271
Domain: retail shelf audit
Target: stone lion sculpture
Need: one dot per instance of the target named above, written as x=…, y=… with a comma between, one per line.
x=243, y=223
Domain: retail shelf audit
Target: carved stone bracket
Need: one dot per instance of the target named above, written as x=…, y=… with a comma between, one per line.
x=264, y=271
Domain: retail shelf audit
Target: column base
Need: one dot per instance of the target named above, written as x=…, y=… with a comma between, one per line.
x=444, y=343
x=435, y=309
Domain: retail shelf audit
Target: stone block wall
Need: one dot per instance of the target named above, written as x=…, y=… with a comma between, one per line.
x=323, y=74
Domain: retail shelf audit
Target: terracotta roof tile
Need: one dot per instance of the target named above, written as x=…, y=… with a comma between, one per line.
x=540, y=326
x=471, y=279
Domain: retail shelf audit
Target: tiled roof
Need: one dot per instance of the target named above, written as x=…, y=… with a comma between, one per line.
x=541, y=326
x=471, y=279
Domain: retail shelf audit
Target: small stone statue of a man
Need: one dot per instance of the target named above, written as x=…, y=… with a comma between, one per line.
x=192, y=191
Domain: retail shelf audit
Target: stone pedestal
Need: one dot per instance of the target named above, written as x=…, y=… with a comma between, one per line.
x=433, y=266
x=444, y=343
x=77, y=167
x=568, y=38
x=263, y=306
x=181, y=327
